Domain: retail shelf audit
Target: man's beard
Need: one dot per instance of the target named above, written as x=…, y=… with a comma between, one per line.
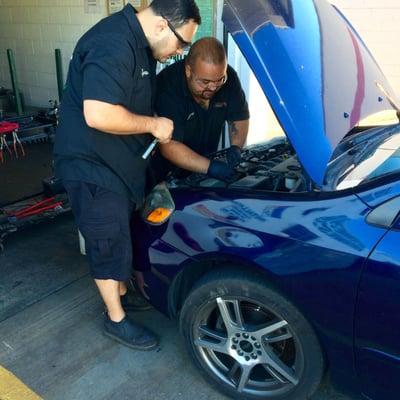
x=156, y=49
x=207, y=94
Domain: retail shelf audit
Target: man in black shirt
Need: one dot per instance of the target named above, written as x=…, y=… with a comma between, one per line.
x=106, y=123
x=200, y=94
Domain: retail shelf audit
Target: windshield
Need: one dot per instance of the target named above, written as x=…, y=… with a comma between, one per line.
x=375, y=160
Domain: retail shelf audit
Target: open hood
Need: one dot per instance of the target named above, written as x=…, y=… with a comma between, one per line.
x=315, y=70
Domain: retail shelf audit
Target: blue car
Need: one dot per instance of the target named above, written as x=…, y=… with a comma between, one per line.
x=292, y=268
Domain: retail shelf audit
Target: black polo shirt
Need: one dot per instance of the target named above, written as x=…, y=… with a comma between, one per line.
x=112, y=63
x=194, y=126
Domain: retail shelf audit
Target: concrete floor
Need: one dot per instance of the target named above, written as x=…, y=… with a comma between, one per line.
x=50, y=330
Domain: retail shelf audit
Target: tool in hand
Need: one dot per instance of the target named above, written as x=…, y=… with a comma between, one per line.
x=150, y=149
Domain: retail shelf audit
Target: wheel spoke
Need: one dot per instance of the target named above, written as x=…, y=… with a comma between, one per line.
x=244, y=377
x=274, y=363
x=238, y=314
x=270, y=328
x=274, y=374
x=230, y=323
x=279, y=338
x=232, y=372
x=210, y=345
x=211, y=333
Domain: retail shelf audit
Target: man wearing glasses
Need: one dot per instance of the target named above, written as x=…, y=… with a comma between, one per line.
x=106, y=123
x=200, y=94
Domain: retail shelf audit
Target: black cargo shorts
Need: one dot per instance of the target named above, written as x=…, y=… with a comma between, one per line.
x=103, y=219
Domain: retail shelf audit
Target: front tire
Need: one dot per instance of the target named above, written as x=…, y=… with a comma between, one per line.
x=251, y=341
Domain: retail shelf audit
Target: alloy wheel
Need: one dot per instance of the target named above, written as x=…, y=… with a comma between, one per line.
x=247, y=346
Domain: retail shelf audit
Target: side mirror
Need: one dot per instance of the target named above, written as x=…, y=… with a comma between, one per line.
x=384, y=216
x=158, y=205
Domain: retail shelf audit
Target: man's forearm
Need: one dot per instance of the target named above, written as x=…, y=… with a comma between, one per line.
x=183, y=157
x=116, y=119
x=238, y=131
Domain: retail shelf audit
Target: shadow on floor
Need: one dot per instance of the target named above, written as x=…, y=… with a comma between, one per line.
x=51, y=337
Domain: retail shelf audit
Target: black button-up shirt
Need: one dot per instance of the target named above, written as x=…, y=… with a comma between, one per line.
x=111, y=63
x=198, y=128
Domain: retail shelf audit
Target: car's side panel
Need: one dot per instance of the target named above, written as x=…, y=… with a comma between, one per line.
x=376, y=196
x=159, y=261
x=312, y=250
x=378, y=321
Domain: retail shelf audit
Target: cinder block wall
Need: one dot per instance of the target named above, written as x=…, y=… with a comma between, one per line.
x=378, y=23
x=35, y=28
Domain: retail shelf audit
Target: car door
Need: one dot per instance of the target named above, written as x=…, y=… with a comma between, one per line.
x=377, y=319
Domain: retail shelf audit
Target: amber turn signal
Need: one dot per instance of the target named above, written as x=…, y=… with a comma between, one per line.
x=159, y=215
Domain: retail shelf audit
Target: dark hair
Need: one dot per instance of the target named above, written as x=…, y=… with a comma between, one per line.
x=178, y=12
x=207, y=49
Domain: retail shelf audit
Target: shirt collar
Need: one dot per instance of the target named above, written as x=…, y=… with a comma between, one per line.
x=130, y=14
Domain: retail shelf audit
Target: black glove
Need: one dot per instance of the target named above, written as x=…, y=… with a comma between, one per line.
x=233, y=155
x=220, y=170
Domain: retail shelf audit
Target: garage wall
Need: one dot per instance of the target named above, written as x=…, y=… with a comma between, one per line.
x=33, y=29
x=207, y=16
x=378, y=23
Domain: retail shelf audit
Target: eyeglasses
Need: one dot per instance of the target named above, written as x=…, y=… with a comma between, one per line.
x=205, y=83
x=183, y=44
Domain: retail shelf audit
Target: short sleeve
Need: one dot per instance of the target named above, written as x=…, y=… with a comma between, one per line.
x=107, y=69
x=238, y=109
x=169, y=105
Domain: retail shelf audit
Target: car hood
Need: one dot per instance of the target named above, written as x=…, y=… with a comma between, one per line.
x=315, y=70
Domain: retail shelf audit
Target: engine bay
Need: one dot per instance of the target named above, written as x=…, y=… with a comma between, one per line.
x=269, y=166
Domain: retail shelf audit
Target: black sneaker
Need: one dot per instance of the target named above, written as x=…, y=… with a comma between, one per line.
x=130, y=334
